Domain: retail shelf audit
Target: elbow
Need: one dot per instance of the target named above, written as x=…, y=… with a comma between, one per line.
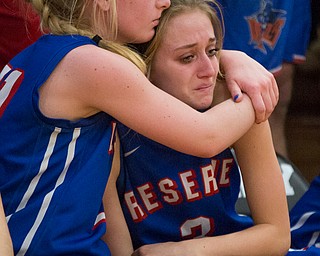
x=277, y=242
x=211, y=146
x=208, y=150
x=285, y=245
x=286, y=242
x=286, y=239
x=282, y=243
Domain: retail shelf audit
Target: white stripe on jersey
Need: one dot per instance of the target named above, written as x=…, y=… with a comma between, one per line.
x=126, y=154
x=314, y=238
x=101, y=217
x=9, y=83
x=301, y=221
x=47, y=199
x=43, y=168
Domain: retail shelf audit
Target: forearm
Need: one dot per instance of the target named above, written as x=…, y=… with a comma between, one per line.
x=264, y=239
x=244, y=74
x=230, y=121
x=263, y=182
x=178, y=126
x=5, y=246
x=117, y=236
x=227, y=56
x=5, y=239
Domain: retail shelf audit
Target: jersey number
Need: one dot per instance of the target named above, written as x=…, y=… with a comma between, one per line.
x=198, y=227
x=9, y=86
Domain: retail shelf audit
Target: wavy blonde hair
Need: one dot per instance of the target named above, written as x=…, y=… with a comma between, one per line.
x=63, y=17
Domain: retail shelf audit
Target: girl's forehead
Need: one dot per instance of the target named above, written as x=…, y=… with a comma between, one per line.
x=187, y=24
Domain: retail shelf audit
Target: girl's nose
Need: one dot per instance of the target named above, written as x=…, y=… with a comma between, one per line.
x=163, y=4
x=207, y=67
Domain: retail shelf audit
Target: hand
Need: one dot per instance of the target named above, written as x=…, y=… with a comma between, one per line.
x=244, y=74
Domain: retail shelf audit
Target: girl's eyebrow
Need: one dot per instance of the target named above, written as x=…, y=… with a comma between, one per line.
x=186, y=46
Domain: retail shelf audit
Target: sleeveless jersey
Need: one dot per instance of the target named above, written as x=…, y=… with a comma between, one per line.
x=269, y=31
x=170, y=196
x=53, y=172
x=308, y=251
x=305, y=218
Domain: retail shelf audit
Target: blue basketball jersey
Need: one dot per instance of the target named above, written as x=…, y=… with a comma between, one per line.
x=305, y=218
x=269, y=31
x=171, y=196
x=53, y=172
x=308, y=251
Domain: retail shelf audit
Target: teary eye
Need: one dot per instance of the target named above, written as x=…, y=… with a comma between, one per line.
x=187, y=59
x=213, y=52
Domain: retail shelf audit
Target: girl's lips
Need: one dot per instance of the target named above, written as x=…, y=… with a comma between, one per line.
x=155, y=22
x=204, y=86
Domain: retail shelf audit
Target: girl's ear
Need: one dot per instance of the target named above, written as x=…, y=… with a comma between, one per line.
x=103, y=4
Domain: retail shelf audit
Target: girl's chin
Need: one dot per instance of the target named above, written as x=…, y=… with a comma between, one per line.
x=146, y=37
x=203, y=108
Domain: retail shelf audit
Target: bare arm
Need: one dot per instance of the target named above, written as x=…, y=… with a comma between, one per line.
x=264, y=189
x=90, y=80
x=117, y=236
x=243, y=73
x=5, y=239
x=266, y=196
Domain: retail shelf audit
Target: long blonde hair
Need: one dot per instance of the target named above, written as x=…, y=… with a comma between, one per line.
x=64, y=17
x=179, y=7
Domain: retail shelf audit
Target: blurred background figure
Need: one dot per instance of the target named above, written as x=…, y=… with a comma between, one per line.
x=303, y=119
x=19, y=28
x=312, y=65
x=275, y=33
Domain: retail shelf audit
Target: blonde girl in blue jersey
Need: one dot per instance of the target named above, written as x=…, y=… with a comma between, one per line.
x=183, y=60
x=60, y=100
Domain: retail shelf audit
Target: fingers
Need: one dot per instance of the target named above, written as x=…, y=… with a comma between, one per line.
x=269, y=96
x=235, y=91
x=264, y=102
x=265, y=97
x=275, y=91
x=259, y=107
x=261, y=87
